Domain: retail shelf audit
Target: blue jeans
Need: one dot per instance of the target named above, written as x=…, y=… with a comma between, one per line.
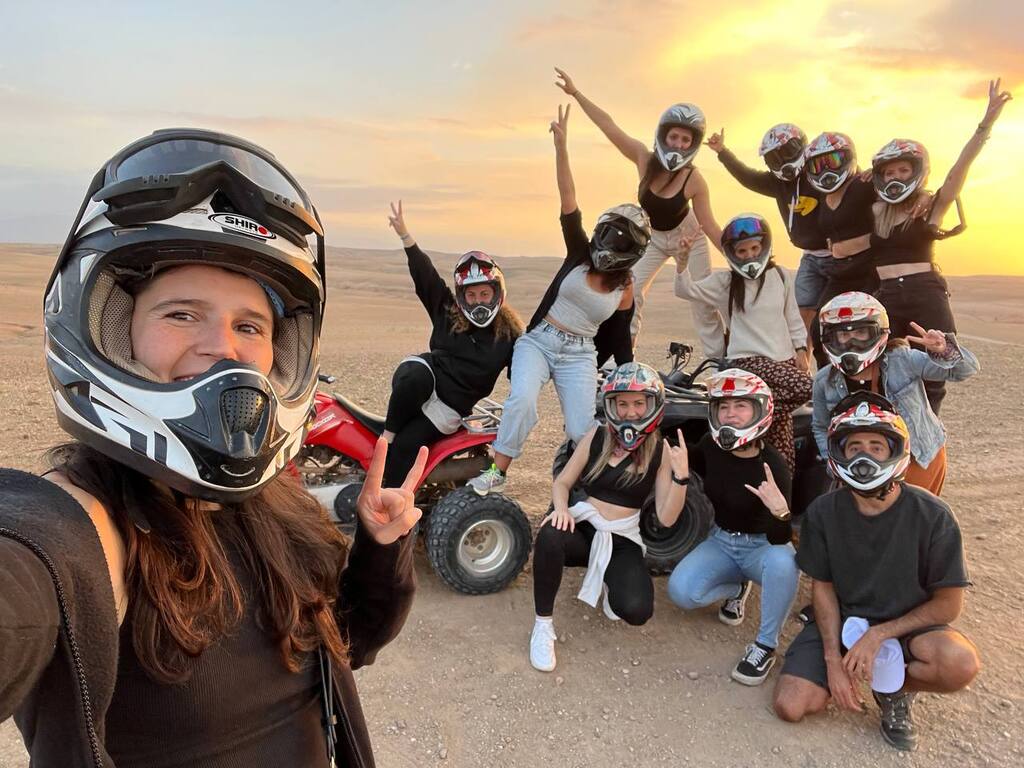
x=713, y=571
x=548, y=353
x=816, y=267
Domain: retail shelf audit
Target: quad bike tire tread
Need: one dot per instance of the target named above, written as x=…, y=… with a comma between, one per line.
x=697, y=516
x=452, y=515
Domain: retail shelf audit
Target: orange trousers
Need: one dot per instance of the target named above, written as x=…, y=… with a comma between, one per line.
x=932, y=477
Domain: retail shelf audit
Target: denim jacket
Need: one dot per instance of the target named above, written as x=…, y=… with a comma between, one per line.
x=904, y=371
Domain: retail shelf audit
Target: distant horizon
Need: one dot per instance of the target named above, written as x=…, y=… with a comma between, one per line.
x=398, y=250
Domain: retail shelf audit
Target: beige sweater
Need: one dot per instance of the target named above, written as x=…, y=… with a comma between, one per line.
x=770, y=326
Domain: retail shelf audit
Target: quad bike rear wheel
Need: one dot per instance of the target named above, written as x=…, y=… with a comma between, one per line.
x=477, y=544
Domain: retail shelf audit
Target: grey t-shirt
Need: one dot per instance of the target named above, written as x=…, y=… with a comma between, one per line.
x=884, y=566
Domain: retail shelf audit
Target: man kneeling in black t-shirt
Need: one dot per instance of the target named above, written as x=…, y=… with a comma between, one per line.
x=886, y=552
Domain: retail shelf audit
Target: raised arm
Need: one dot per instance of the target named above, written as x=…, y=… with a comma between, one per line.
x=633, y=149
x=762, y=182
x=669, y=495
x=563, y=173
x=431, y=289
x=958, y=173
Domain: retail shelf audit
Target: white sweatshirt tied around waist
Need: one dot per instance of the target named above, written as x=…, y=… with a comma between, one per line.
x=601, y=546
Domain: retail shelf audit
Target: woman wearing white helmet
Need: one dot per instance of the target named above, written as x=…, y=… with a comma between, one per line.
x=474, y=330
x=766, y=335
x=783, y=149
x=864, y=356
x=582, y=321
x=182, y=343
x=669, y=185
x=912, y=287
x=620, y=467
x=749, y=486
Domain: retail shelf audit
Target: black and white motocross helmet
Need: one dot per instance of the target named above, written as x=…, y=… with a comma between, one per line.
x=183, y=197
x=620, y=238
x=687, y=116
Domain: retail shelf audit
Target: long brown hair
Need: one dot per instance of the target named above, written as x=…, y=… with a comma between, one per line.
x=636, y=469
x=183, y=594
x=738, y=288
x=508, y=325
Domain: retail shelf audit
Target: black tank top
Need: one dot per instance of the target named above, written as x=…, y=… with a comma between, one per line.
x=912, y=242
x=239, y=707
x=607, y=487
x=853, y=216
x=666, y=213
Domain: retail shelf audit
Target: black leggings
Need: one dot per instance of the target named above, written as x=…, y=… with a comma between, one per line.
x=921, y=298
x=411, y=386
x=630, y=589
x=857, y=273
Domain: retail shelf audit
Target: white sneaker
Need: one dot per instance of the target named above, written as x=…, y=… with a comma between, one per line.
x=606, y=605
x=542, y=646
x=491, y=479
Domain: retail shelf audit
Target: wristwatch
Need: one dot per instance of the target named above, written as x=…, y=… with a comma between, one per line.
x=680, y=480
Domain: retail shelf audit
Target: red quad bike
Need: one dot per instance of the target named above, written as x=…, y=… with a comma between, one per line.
x=476, y=544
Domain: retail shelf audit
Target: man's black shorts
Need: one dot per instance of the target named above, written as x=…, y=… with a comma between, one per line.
x=805, y=656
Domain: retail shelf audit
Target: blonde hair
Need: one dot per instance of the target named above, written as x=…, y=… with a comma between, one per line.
x=507, y=324
x=634, y=472
x=886, y=217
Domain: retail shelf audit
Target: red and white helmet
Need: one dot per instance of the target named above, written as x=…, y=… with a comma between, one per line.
x=687, y=116
x=866, y=474
x=895, y=190
x=477, y=268
x=783, y=150
x=737, y=383
x=846, y=314
x=640, y=378
x=830, y=159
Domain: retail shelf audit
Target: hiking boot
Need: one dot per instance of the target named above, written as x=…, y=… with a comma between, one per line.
x=542, y=646
x=731, y=611
x=897, y=721
x=755, y=665
x=491, y=479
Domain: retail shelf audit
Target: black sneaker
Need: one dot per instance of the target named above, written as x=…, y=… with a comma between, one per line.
x=755, y=665
x=731, y=611
x=897, y=721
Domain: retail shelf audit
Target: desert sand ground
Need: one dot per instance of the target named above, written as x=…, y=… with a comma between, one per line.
x=456, y=687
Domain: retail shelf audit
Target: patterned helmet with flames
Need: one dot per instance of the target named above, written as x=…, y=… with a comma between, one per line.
x=477, y=268
x=898, y=190
x=633, y=378
x=783, y=150
x=736, y=383
x=854, y=331
x=863, y=472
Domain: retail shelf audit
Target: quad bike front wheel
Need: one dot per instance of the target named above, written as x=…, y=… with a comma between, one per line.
x=477, y=544
x=667, y=545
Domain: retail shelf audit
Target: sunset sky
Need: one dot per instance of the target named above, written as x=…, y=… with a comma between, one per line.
x=446, y=105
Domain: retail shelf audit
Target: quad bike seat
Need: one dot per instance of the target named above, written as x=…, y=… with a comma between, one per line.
x=371, y=421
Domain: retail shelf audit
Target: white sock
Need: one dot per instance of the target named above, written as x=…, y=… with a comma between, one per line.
x=545, y=620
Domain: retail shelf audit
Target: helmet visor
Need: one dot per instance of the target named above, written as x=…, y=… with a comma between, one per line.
x=851, y=337
x=165, y=174
x=620, y=235
x=830, y=161
x=789, y=152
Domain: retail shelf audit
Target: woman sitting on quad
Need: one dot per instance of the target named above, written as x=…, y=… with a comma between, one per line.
x=474, y=331
x=619, y=466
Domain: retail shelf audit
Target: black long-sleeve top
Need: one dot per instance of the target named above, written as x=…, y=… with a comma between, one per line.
x=798, y=201
x=466, y=365
x=736, y=508
x=613, y=337
x=59, y=639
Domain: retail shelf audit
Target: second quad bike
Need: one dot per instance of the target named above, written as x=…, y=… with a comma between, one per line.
x=686, y=409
